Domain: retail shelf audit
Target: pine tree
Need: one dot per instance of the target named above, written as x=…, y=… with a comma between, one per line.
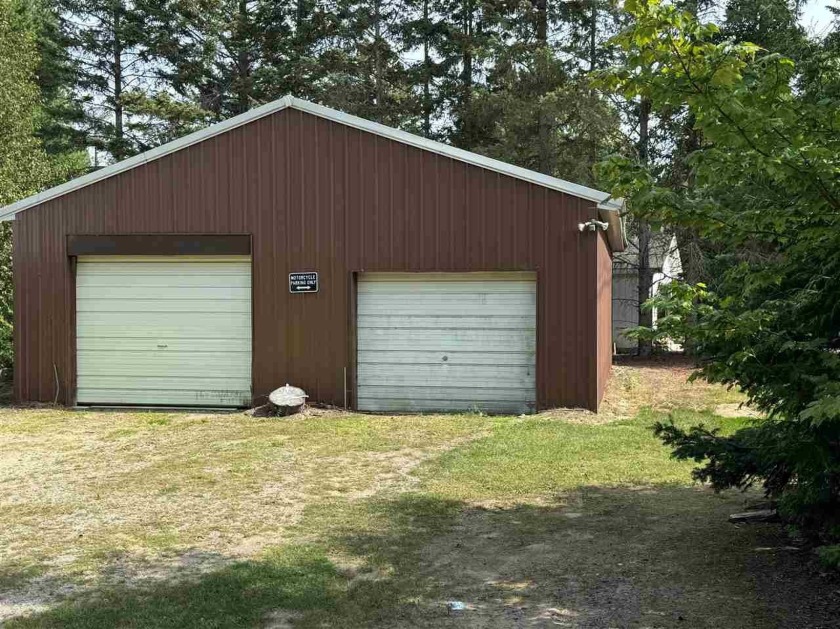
x=422, y=30
x=363, y=72
x=772, y=24
x=465, y=52
x=293, y=37
x=539, y=117
x=104, y=38
x=228, y=56
x=534, y=107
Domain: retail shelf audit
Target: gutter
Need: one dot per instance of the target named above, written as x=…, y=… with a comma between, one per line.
x=610, y=211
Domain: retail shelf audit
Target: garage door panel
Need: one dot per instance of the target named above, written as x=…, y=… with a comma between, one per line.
x=446, y=342
x=444, y=289
x=193, y=307
x=140, y=344
x=143, y=375
x=118, y=333
x=437, y=393
x=411, y=383
x=165, y=319
x=144, y=338
x=136, y=281
x=202, y=382
x=525, y=322
x=168, y=397
x=449, y=309
x=421, y=357
x=187, y=364
x=502, y=280
x=404, y=405
x=479, y=292
x=154, y=266
x=166, y=293
x=461, y=373
x=454, y=305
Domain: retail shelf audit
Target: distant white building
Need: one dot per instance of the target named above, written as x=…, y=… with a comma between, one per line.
x=666, y=265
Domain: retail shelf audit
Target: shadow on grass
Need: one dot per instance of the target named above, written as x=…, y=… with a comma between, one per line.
x=662, y=556
x=13, y=574
x=239, y=595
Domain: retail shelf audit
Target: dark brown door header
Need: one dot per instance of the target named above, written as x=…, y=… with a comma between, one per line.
x=159, y=245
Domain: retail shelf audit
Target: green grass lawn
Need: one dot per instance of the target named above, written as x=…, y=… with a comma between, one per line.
x=342, y=520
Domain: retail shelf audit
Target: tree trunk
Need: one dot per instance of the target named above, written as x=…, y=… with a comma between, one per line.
x=243, y=61
x=545, y=122
x=645, y=272
x=688, y=242
x=119, y=149
x=300, y=15
x=545, y=118
x=593, y=28
x=427, y=74
x=377, y=59
x=544, y=141
x=541, y=21
x=466, y=127
x=467, y=58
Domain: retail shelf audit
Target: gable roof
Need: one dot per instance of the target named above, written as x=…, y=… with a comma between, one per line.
x=609, y=209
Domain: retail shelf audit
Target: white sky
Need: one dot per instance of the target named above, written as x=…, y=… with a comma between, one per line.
x=816, y=17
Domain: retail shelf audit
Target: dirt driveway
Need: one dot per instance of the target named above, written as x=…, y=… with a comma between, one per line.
x=564, y=519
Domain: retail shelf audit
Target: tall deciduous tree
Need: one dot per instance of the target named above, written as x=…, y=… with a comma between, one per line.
x=771, y=24
x=643, y=232
x=767, y=193
x=23, y=163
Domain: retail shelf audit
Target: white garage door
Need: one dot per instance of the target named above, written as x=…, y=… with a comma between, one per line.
x=447, y=342
x=173, y=330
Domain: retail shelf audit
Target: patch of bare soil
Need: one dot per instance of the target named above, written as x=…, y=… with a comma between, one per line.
x=280, y=619
x=660, y=383
x=656, y=557
x=737, y=410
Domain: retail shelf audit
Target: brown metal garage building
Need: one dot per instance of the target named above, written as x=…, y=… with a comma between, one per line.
x=187, y=275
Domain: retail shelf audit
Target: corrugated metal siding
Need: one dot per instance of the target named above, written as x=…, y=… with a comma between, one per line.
x=443, y=342
x=317, y=195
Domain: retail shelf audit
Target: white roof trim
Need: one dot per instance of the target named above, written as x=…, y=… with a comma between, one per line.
x=603, y=200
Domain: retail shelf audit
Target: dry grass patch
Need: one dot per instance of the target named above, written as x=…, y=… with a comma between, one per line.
x=659, y=384
x=135, y=496
x=334, y=519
